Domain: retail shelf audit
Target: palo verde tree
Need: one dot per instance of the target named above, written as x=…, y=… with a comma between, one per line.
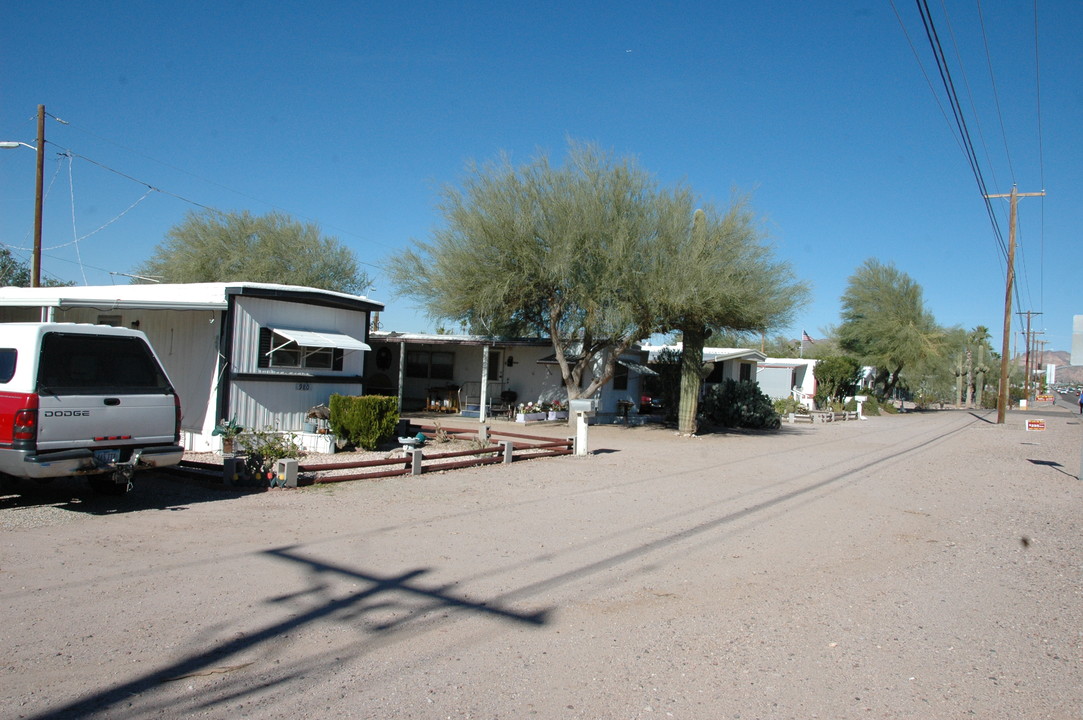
x=540, y=250
x=715, y=275
x=885, y=323
x=214, y=246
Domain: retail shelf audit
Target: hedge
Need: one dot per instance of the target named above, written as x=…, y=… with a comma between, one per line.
x=364, y=420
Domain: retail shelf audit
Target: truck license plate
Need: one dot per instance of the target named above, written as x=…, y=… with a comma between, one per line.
x=108, y=457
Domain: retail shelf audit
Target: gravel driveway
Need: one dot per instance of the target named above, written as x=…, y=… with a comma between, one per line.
x=926, y=565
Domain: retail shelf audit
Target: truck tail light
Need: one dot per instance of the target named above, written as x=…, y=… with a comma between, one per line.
x=25, y=426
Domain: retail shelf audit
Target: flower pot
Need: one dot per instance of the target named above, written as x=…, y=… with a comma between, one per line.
x=529, y=417
x=557, y=415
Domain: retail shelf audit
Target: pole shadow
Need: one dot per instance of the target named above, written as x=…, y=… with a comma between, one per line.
x=1055, y=465
x=379, y=594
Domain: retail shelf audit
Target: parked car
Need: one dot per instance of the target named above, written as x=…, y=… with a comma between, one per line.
x=84, y=400
x=650, y=405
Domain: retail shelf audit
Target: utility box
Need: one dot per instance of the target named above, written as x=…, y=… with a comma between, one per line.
x=587, y=407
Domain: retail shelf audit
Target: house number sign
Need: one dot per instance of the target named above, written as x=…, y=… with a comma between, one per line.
x=302, y=386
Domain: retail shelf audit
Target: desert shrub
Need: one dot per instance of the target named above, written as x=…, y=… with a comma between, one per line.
x=787, y=405
x=364, y=420
x=1015, y=394
x=264, y=448
x=871, y=406
x=740, y=404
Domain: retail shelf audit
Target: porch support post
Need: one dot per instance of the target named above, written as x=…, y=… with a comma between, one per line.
x=484, y=395
x=402, y=371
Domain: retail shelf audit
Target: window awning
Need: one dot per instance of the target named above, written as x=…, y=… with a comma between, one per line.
x=322, y=339
x=636, y=367
x=552, y=359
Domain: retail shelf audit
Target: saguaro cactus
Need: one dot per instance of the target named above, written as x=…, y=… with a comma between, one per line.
x=694, y=336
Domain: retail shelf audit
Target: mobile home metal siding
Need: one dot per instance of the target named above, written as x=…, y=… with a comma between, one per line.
x=251, y=314
x=282, y=400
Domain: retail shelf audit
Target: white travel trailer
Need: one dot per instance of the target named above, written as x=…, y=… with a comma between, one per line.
x=260, y=353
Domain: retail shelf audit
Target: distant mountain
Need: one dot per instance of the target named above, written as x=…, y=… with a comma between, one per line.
x=1070, y=374
x=1066, y=372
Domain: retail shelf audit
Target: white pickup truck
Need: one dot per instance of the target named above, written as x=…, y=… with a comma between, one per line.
x=80, y=399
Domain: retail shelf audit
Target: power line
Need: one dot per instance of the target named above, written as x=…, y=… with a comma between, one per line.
x=271, y=205
x=1041, y=155
x=996, y=95
x=970, y=96
x=925, y=74
x=953, y=99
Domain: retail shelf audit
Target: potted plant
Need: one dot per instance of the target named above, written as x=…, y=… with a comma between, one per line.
x=264, y=449
x=529, y=412
x=556, y=410
x=229, y=430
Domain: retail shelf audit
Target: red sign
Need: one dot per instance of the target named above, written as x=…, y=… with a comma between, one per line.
x=1035, y=424
x=1045, y=398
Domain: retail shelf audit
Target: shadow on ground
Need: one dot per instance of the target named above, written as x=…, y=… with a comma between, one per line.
x=150, y=491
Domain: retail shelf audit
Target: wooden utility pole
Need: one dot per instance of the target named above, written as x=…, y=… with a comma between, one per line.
x=1002, y=399
x=1028, y=356
x=35, y=262
x=1039, y=362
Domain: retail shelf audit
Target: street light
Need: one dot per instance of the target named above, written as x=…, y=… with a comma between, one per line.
x=35, y=263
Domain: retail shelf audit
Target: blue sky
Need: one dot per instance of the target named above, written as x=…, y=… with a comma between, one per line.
x=354, y=114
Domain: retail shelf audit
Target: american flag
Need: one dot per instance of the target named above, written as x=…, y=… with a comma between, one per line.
x=806, y=339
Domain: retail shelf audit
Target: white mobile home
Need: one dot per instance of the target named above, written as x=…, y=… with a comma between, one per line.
x=729, y=363
x=476, y=376
x=261, y=353
x=788, y=377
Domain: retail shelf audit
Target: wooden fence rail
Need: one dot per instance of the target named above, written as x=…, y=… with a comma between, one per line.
x=517, y=446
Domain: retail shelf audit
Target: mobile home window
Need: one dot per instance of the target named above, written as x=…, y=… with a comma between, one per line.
x=276, y=351
x=443, y=366
x=746, y=371
x=430, y=364
x=620, y=377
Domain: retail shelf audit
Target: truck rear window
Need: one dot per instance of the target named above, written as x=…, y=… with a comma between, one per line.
x=7, y=363
x=76, y=363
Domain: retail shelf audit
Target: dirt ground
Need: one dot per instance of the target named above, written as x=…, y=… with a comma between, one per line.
x=926, y=565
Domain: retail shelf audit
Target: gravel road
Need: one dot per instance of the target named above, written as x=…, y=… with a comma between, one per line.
x=925, y=565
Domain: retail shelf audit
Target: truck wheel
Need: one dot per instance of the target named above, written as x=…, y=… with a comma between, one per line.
x=108, y=485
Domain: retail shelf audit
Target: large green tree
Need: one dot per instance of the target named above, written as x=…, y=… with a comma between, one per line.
x=837, y=377
x=213, y=246
x=885, y=322
x=716, y=276
x=547, y=251
x=14, y=273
